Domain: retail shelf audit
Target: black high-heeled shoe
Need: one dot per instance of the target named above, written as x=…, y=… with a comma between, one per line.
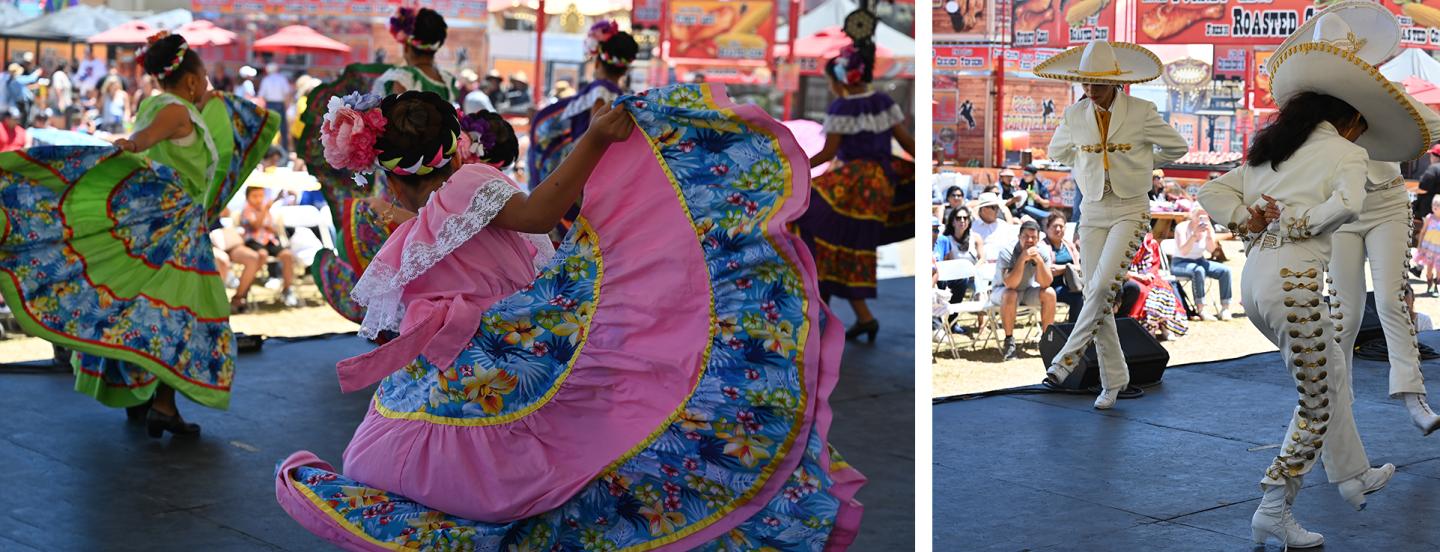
x=139, y=412
x=156, y=424
x=869, y=328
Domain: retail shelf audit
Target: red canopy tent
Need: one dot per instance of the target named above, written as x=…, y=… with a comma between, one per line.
x=1422, y=90
x=201, y=32
x=824, y=45
x=299, y=39
x=129, y=32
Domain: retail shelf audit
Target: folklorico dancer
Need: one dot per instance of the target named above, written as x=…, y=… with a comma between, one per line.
x=105, y=254
x=361, y=229
x=865, y=200
x=1303, y=179
x=420, y=33
x=612, y=398
x=1113, y=141
x=556, y=129
x=1382, y=232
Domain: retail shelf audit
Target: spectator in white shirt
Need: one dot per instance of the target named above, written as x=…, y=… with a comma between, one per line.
x=1195, y=240
x=276, y=91
x=993, y=225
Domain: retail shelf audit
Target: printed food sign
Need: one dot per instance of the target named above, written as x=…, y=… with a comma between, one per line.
x=1062, y=22
x=1262, y=22
x=722, y=29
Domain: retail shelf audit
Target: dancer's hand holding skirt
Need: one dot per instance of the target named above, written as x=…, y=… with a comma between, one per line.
x=663, y=382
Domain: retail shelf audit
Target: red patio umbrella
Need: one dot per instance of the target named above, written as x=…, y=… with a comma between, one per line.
x=824, y=45
x=201, y=32
x=299, y=39
x=129, y=32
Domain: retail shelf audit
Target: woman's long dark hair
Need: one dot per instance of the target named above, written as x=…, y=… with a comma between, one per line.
x=1292, y=127
x=963, y=240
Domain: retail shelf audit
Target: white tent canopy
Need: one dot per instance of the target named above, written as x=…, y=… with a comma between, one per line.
x=77, y=23
x=11, y=15
x=169, y=20
x=832, y=14
x=1412, y=62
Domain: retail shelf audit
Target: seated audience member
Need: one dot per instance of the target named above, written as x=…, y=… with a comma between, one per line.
x=262, y=234
x=1195, y=240
x=1066, y=258
x=1023, y=277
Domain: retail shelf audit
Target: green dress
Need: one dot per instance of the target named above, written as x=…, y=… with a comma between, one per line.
x=405, y=77
x=107, y=253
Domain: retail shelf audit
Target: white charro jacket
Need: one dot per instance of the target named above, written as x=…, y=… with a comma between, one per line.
x=1139, y=142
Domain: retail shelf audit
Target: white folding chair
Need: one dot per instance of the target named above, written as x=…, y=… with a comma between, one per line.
x=947, y=271
x=984, y=304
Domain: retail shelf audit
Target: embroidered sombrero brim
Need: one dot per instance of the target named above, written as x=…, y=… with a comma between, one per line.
x=1375, y=29
x=1396, y=130
x=1372, y=141
x=1135, y=64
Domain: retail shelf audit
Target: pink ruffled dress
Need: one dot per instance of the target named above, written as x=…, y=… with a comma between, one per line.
x=659, y=382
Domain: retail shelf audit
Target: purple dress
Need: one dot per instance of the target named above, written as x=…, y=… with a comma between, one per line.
x=864, y=201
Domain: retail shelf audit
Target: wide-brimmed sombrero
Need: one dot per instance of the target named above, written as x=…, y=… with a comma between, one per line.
x=1374, y=34
x=1396, y=129
x=1102, y=62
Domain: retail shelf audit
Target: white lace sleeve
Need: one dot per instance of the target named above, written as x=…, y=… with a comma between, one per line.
x=866, y=122
x=379, y=289
x=544, y=250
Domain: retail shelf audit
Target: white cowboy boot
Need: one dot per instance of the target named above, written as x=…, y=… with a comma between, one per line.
x=1420, y=412
x=1374, y=479
x=1107, y=399
x=1273, y=519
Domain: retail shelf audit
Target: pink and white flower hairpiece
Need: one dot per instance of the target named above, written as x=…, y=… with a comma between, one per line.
x=349, y=130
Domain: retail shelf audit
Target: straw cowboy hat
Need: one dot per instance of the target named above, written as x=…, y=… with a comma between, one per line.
x=1328, y=64
x=988, y=199
x=1372, y=27
x=1102, y=62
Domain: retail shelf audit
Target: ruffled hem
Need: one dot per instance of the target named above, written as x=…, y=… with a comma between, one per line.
x=102, y=254
x=740, y=443
x=857, y=123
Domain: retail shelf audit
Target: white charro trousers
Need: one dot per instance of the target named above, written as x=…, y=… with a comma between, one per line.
x=1282, y=291
x=1110, y=234
x=1382, y=234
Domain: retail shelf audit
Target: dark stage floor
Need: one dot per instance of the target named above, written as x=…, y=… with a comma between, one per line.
x=1177, y=469
x=78, y=478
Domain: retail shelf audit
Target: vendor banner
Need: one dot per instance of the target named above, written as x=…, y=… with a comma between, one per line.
x=1034, y=106
x=474, y=10
x=982, y=58
x=1262, y=22
x=964, y=58
x=731, y=30
x=970, y=20
x=964, y=140
x=1260, y=95
x=1231, y=62
x=1061, y=23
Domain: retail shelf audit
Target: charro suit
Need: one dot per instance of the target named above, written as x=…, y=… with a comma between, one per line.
x=1112, y=167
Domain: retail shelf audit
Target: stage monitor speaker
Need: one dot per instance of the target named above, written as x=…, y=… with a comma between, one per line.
x=1370, y=324
x=1143, y=354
